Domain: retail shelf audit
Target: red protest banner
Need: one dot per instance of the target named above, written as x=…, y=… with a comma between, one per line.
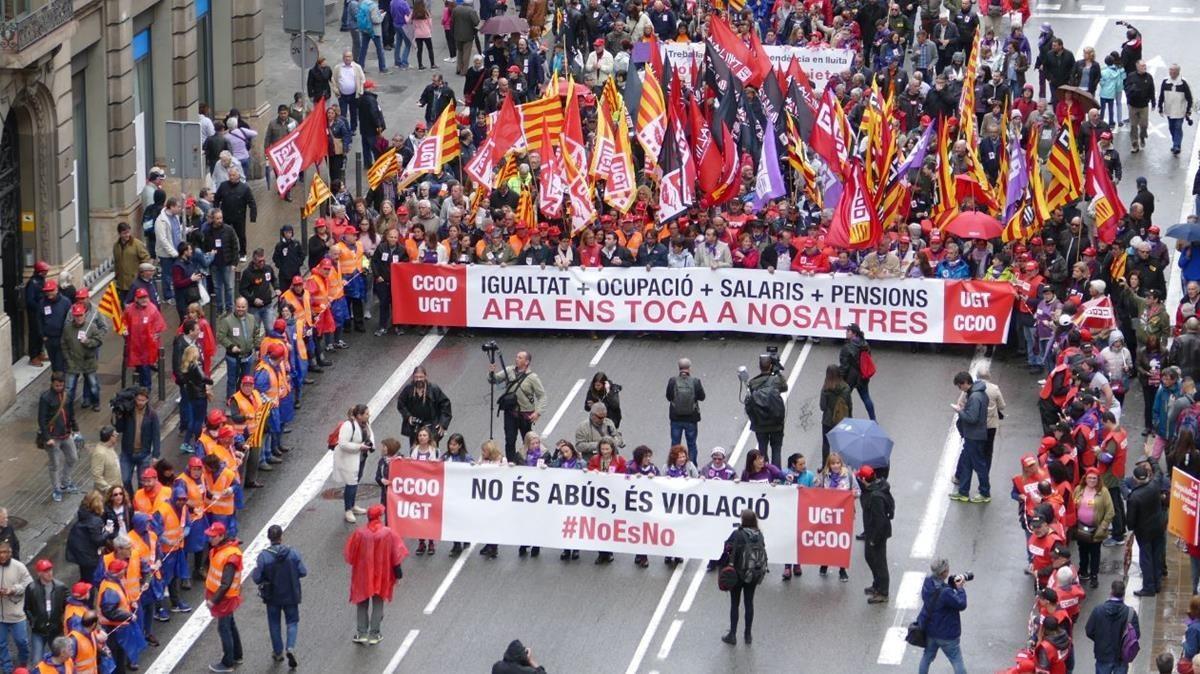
x=1181, y=519
x=825, y=527
x=415, y=495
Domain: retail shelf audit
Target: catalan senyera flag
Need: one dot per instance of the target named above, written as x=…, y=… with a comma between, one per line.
x=318, y=193
x=546, y=109
x=260, y=423
x=1066, y=170
x=111, y=308
x=612, y=160
x=439, y=146
x=651, y=122
x=526, y=214
x=1116, y=268
x=507, y=170
x=947, y=205
x=386, y=166
x=1105, y=201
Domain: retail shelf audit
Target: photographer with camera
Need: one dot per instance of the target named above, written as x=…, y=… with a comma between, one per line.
x=942, y=600
x=421, y=403
x=355, y=441
x=764, y=404
x=523, y=400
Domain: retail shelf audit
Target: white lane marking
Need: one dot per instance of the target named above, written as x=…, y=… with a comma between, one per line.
x=672, y=632
x=1154, y=18
x=455, y=569
x=894, y=646
x=655, y=619
x=1182, y=10
x=562, y=409
x=170, y=656
x=939, y=492
x=1092, y=34
x=459, y=563
x=909, y=595
x=394, y=664
x=603, y=349
x=1135, y=571
x=1092, y=8
x=1042, y=7
x=1136, y=8
x=693, y=588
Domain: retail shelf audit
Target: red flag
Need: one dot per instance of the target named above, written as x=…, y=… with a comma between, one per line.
x=552, y=177
x=1096, y=314
x=759, y=62
x=1105, y=201
x=503, y=135
x=727, y=188
x=573, y=139
x=677, y=190
x=730, y=48
x=855, y=224
x=304, y=146
x=829, y=137
x=704, y=150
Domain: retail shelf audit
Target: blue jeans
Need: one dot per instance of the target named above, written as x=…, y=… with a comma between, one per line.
x=37, y=647
x=686, y=429
x=1175, y=126
x=130, y=466
x=364, y=45
x=346, y=18
x=168, y=288
x=91, y=387
x=1033, y=355
x=973, y=460
x=864, y=392
x=1112, y=668
x=58, y=362
x=1152, y=553
x=223, y=288
x=264, y=314
x=191, y=418
x=950, y=648
x=291, y=616
x=145, y=376
x=231, y=641
x=349, y=107
x=402, y=39
x=235, y=369
x=1107, y=110
x=20, y=634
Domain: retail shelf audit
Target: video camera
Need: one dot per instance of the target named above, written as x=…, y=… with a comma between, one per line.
x=964, y=577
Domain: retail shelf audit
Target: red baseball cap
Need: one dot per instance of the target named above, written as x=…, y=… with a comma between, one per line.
x=1032, y=265
x=1089, y=251
x=1154, y=229
x=215, y=418
x=326, y=264
x=247, y=379
x=149, y=473
x=226, y=433
x=78, y=309
x=297, y=280
x=43, y=565
x=51, y=286
x=140, y=293
x=117, y=566
x=369, y=84
x=217, y=529
x=598, y=42
x=82, y=294
x=1035, y=241
x=514, y=69
x=866, y=473
x=276, y=351
x=421, y=126
x=195, y=462
x=1031, y=460
x=280, y=325
x=81, y=590
x=41, y=267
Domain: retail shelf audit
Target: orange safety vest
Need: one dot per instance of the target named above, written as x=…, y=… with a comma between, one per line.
x=85, y=652
x=277, y=383
x=72, y=610
x=301, y=345
x=318, y=293
x=44, y=667
x=301, y=306
x=143, y=503
x=248, y=408
x=630, y=241
x=213, y=487
x=146, y=549
x=131, y=583
x=172, y=535
x=195, y=495
x=337, y=285
x=348, y=261
x=517, y=244
x=217, y=560
x=106, y=585
x=1047, y=392
x=282, y=341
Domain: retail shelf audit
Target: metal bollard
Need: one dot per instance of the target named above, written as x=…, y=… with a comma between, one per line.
x=303, y=233
x=162, y=376
x=358, y=169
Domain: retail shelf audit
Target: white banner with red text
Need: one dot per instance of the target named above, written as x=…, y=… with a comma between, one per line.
x=819, y=63
x=701, y=299
x=578, y=510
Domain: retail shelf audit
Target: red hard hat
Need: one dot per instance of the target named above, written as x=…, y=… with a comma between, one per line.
x=280, y=325
x=81, y=590
x=41, y=267
x=276, y=351
x=78, y=309
x=247, y=379
x=215, y=417
x=149, y=473
x=195, y=462
x=82, y=294
x=50, y=286
x=139, y=293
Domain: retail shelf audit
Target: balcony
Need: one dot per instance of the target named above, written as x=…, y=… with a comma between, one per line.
x=23, y=36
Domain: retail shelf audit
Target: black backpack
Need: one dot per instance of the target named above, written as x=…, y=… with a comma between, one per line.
x=752, y=567
x=764, y=405
x=123, y=404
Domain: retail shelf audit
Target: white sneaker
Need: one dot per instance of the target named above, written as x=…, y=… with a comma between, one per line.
x=359, y=510
x=449, y=59
x=350, y=518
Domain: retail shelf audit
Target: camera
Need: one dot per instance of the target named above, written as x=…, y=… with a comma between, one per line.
x=964, y=577
x=490, y=347
x=773, y=354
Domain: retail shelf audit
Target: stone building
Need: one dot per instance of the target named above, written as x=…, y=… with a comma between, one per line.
x=85, y=89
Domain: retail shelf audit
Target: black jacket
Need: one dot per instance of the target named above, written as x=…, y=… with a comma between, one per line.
x=318, y=82
x=767, y=381
x=317, y=248
x=53, y=323
x=51, y=423
x=1144, y=512
x=258, y=284
x=1058, y=67
x=1185, y=353
x=236, y=200
x=516, y=661
x=1106, y=628
x=370, y=117
x=289, y=260
x=433, y=408
x=381, y=263
x=1139, y=89
x=878, y=510
x=227, y=252
x=848, y=360
x=9, y=535
x=46, y=624
x=699, y=395
x=85, y=539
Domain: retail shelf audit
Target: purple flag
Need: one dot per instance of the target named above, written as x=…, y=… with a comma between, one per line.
x=1018, y=178
x=768, y=184
x=917, y=156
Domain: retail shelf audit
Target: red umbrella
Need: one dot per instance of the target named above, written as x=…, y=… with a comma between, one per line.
x=975, y=225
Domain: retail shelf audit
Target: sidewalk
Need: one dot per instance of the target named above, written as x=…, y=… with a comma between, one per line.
x=24, y=480
x=1171, y=605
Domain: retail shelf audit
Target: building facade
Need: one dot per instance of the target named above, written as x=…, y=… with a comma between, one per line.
x=85, y=89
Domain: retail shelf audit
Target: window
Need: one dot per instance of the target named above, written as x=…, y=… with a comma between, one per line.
x=204, y=56
x=143, y=101
x=82, y=200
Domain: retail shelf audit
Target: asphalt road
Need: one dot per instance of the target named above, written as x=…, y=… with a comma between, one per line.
x=581, y=618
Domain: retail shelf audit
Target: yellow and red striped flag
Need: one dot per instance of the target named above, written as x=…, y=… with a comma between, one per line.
x=651, y=122
x=111, y=308
x=435, y=149
x=386, y=166
x=318, y=193
x=1066, y=169
x=526, y=214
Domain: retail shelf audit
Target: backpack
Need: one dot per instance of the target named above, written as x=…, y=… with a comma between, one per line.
x=332, y=441
x=1130, y=642
x=684, y=403
x=765, y=405
x=364, y=17
x=866, y=364
x=1189, y=419
x=752, y=567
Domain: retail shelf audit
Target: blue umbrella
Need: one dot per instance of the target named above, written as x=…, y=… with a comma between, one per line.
x=1185, y=231
x=861, y=442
